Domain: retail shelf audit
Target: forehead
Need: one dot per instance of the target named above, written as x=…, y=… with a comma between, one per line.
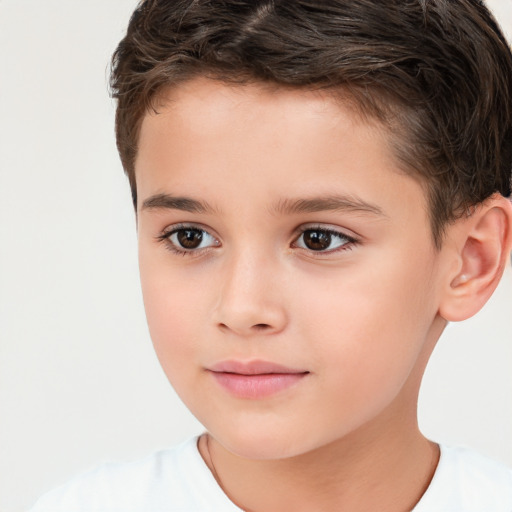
x=227, y=141
x=207, y=111
x=202, y=104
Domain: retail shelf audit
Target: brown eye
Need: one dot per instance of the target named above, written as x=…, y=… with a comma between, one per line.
x=322, y=240
x=189, y=238
x=317, y=240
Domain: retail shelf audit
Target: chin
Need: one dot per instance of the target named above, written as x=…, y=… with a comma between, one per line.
x=264, y=443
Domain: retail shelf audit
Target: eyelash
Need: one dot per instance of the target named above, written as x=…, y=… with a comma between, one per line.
x=348, y=241
x=165, y=238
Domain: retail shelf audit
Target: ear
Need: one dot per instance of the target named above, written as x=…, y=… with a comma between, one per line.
x=482, y=243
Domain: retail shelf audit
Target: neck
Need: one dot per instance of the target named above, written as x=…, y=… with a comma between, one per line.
x=358, y=473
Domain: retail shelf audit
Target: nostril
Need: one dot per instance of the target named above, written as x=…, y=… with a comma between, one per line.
x=261, y=327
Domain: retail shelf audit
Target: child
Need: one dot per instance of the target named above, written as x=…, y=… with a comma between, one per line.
x=320, y=187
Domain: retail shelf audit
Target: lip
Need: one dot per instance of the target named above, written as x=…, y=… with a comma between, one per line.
x=255, y=379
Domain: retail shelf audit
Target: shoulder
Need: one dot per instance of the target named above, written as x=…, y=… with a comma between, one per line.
x=466, y=481
x=170, y=480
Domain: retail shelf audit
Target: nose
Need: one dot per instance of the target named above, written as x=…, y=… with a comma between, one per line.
x=250, y=297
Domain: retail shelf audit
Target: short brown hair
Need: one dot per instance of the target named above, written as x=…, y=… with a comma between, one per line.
x=436, y=73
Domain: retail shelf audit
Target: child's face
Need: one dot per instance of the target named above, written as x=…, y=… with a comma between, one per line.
x=306, y=250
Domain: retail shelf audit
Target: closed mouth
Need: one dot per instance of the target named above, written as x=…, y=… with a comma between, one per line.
x=255, y=379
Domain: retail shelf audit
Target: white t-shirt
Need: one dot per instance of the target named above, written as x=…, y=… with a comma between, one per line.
x=178, y=480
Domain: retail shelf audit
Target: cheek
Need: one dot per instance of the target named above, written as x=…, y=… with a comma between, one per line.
x=172, y=308
x=371, y=323
x=173, y=321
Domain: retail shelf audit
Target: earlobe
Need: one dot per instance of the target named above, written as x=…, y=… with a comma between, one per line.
x=483, y=252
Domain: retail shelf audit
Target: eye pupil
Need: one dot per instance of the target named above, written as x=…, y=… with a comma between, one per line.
x=189, y=238
x=317, y=240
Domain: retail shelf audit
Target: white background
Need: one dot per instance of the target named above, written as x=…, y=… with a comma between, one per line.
x=79, y=383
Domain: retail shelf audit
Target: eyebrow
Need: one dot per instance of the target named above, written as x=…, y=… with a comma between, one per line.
x=284, y=206
x=328, y=203
x=167, y=201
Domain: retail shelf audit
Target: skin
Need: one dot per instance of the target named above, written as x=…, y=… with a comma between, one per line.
x=361, y=319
